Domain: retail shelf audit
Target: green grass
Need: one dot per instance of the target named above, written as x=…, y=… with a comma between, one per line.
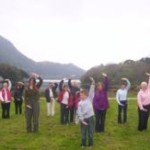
x=53, y=136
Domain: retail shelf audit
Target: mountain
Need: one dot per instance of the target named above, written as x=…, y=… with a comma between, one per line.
x=10, y=55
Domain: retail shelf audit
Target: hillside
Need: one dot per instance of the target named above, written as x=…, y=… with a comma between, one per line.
x=133, y=70
x=10, y=55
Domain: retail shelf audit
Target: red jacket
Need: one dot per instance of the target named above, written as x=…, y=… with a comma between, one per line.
x=70, y=100
x=8, y=94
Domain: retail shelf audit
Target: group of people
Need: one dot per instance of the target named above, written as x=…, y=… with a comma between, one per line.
x=76, y=103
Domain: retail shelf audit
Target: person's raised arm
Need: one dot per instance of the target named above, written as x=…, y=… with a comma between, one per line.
x=36, y=76
x=148, y=74
x=39, y=84
x=92, y=89
x=105, y=81
x=70, y=84
x=61, y=85
x=128, y=83
x=9, y=84
x=55, y=86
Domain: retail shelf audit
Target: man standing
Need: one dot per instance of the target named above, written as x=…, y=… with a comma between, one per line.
x=50, y=94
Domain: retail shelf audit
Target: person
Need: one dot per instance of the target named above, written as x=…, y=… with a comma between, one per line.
x=50, y=94
x=65, y=99
x=74, y=88
x=32, y=107
x=6, y=98
x=143, y=101
x=85, y=112
x=77, y=100
x=18, y=97
x=101, y=104
x=121, y=98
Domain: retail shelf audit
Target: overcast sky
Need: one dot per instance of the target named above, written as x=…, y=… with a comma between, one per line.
x=83, y=32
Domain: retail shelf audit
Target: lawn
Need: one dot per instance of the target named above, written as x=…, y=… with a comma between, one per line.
x=53, y=136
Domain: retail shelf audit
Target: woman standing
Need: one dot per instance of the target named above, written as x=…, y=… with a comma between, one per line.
x=65, y=99
x=121, y=97
x=143, y=100
x=18, y=97
x=6, y=98
x=101, y=104
x=32, y=108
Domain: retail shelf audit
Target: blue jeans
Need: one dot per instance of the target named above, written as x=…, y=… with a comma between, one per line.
x=124, y=109
x=87, y=129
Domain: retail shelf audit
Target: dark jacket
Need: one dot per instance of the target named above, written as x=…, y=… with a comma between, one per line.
x=33, y=94
x=47, y=93
x=18, y=94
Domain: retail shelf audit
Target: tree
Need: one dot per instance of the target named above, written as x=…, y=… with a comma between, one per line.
x=12, y=73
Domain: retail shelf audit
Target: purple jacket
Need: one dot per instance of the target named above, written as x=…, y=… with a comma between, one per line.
x=100, y=100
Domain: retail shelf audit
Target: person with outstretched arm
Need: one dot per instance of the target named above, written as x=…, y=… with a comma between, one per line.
x=143, y=101
x=85, y=112
x=32, y=106
x=101, y=103
x=121, y=98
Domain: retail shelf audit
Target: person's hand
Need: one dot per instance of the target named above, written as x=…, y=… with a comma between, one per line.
x=2, y=101
x=148, y=74
x=92, y=80
x=144, y=109
x=84, y=123
x=34, y=75
x=104, y=74
x=124, y=79
x=21, y=83
x=121, y=104
x=65, y=78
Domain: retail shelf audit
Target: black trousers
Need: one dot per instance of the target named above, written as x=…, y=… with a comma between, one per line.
x=122, y=112
x=100, y=116
x=71, y=114
x=143, y=118
x=5, y=110
x=64, y=119
x=18, y=107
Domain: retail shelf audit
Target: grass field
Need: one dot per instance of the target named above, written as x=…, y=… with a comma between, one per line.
x=53, y=136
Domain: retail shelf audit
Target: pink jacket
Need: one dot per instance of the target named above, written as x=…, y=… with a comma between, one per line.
x=8, y=95
x=143, y=97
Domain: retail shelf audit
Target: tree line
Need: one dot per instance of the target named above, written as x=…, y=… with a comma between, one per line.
x=133, y=70
x=13, y=73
